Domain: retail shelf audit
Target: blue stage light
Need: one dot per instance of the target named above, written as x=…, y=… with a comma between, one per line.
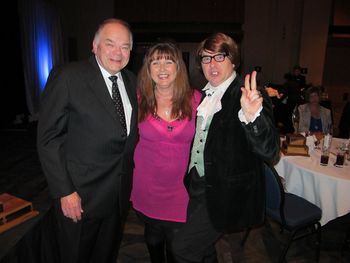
x=43, y=53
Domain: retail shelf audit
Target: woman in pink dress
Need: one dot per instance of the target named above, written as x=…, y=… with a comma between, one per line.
x=167, y=110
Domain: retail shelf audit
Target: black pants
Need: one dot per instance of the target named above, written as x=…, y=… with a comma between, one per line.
x=90, y=240
x=195, y=241
x=159, y=235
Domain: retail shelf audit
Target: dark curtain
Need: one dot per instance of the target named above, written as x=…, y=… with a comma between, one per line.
x=42, y=47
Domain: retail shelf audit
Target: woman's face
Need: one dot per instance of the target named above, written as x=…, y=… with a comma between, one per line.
x=314, y=98
x=163, y=72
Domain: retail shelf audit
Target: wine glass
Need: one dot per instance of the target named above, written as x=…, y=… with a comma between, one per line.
x=295, y=119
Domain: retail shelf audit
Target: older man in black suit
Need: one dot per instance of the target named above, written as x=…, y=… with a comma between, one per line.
x=86, y=146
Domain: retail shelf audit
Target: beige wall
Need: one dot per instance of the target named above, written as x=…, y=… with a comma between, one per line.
x=279, y=34
x=314, y=36
x=336, y=77
x=272, y=37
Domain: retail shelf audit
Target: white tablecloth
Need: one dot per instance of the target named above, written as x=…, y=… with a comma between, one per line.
x=328, y=187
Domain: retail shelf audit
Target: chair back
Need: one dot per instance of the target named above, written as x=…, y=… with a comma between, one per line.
x=275, y=195
x=291, y=212
x=273, y=190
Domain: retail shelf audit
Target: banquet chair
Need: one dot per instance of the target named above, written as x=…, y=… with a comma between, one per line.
x=294, y=214
x=346, y=242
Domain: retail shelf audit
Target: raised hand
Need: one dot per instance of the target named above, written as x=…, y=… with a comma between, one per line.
x=251, y=99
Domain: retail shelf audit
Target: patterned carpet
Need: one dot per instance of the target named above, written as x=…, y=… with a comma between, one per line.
x=20, y=175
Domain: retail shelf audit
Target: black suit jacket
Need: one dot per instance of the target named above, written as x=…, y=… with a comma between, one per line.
x=80, y=141
x=233, y=159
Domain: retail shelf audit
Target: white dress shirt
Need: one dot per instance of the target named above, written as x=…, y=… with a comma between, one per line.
x=125, y=99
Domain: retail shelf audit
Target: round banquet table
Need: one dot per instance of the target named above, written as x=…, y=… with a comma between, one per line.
x=328, y=187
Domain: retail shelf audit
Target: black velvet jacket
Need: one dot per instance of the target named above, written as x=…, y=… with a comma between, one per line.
x=233, y=159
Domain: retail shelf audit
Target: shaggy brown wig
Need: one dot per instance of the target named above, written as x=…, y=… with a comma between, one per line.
x=219, y=42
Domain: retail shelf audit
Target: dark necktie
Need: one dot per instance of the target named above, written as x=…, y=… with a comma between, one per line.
x=118, y=102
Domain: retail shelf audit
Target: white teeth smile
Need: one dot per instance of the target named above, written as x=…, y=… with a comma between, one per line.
x=163, y=76
x=215, y=73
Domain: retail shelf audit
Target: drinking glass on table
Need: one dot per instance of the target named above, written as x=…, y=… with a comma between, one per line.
x=345, y=147
x=339, y=162
x=324, y=156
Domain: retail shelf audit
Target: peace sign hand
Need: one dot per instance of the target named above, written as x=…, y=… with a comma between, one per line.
x=251, y=99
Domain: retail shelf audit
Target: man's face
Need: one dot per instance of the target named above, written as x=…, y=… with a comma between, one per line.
x=297, y=72
x=112, y=47
x=217, y=72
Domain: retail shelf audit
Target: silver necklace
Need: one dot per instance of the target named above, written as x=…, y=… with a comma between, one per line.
x=167, y=113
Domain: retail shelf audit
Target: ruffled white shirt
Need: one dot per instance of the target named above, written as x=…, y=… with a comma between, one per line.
x=212, y=102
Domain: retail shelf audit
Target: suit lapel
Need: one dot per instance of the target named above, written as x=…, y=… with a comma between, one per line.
x=98, y=87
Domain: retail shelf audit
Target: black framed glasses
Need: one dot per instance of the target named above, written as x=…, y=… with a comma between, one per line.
x=217, y=58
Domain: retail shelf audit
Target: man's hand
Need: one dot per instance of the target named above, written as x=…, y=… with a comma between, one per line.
x=273, y=92
x=251, y=100
x=71, y=206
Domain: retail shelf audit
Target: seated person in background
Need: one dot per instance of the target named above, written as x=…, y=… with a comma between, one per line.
x=344, y=124
x=312, y=116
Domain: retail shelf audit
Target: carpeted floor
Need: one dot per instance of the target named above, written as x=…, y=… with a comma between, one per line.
x=20, y=175
x=262, y=245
